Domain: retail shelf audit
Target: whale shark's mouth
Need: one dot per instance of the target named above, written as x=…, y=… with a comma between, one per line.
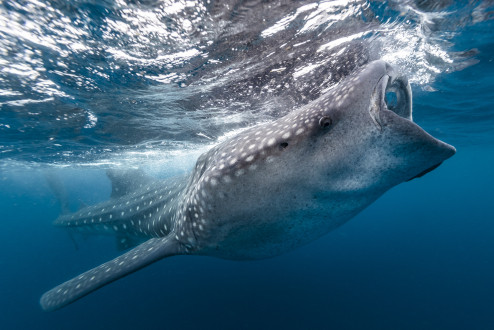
x=398, y=96
x=391, y=93
x=391, y=105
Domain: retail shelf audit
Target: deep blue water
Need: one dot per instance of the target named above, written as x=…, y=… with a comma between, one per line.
x=88, y=85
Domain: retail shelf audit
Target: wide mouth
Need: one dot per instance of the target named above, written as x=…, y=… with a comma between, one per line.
x=391, y=106
x=391, y=93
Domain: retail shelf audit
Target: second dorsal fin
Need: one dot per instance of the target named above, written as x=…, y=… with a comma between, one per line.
x=126, y=181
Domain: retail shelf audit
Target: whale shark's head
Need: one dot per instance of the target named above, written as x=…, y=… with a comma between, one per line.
x=360, y=134
x=366, y=133
x=288, y=181
x=351, y=145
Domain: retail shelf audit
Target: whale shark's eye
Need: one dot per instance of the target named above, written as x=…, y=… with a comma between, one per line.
x=283, y=145
x=325, y=122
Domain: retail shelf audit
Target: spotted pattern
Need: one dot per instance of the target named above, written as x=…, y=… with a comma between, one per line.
x=146, y=253
x=179, y=209
x=182, y=210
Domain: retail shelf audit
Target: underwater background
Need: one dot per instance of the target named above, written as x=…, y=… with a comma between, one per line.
x=91, y=85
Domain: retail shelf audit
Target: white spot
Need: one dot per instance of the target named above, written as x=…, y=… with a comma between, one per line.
x=299, y=131
x=271, y=142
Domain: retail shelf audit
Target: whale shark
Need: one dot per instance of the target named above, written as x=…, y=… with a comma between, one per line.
x=270, y=189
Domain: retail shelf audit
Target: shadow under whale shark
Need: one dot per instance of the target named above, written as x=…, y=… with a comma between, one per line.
x=268, y=190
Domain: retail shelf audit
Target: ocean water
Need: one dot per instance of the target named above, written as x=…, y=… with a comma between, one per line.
x=91, y=85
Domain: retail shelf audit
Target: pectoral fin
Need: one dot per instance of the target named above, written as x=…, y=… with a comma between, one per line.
x=137, y=258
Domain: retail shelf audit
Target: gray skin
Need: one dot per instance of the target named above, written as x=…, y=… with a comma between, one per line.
x=269, y=189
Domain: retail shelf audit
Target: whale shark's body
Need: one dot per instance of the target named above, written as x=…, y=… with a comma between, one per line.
x=269, y=189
